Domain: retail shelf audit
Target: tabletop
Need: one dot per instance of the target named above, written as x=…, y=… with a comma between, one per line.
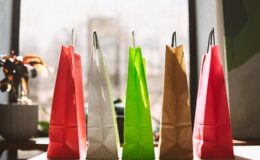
x=242, y=152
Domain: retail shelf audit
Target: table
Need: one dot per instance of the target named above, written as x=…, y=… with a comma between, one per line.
x=243, y=150
x=32, y=144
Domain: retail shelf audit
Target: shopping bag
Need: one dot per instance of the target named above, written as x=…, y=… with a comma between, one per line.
x=103, y=140
x=67, y=131
x=212, y=136
x=175, y=130
x=138, y=138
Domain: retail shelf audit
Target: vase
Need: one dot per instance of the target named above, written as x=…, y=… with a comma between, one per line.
x=18, y=122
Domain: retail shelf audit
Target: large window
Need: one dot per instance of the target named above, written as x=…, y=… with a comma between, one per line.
x=47, y=24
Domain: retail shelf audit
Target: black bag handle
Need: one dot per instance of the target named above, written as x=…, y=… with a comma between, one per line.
x=174, y=40
x=133, y=39
x=73, y=38
x=95, y=40
x=211, y=40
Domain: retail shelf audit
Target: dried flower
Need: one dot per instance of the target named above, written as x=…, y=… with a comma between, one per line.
x=17, y=71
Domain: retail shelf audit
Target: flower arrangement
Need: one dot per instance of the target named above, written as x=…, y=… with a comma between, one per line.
x=17, y=70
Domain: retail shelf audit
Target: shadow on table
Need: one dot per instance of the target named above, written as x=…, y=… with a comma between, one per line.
x=240, y=158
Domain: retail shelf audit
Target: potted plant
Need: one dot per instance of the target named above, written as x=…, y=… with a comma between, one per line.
x=19, y=118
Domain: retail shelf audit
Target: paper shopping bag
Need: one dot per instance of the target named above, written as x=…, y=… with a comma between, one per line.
x=212, y=137
x=175, y=130
x=67, y=131
x=102, y=127
x=138, y=138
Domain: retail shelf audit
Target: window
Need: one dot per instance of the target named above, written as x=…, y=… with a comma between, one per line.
x=47, y=24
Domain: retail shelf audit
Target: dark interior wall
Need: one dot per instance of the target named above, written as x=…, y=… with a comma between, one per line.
x=242, y=32
x=5, y=42
x=5, y=34
x=237, y=29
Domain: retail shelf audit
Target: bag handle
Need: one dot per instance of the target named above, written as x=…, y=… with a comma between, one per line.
x=174, y=40
x=95, y=40
x=211, y=40
x=73, y=38
x=133, y=39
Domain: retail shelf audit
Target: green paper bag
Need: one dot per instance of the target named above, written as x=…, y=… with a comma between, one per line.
x=138, y=138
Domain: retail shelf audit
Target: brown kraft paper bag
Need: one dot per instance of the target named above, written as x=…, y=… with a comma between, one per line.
x=176, y=130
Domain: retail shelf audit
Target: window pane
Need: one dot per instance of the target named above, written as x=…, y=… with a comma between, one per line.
x=47, y=24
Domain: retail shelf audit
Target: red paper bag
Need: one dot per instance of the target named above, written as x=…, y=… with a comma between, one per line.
x=212, y=137
x=67, y=131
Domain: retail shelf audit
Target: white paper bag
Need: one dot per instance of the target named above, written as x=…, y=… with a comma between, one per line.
x=102, y=127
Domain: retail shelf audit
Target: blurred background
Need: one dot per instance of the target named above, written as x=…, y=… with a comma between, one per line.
x=45, y=25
